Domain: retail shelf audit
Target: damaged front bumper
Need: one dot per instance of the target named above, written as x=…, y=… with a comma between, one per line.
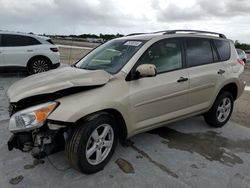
x=40, y=142
x=33, y=132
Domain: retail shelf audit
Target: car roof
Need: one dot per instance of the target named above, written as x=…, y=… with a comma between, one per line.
x=23, y=34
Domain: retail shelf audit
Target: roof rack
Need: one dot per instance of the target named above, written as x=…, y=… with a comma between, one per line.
x=131, y=34
x=164, y=32
x=194, y=32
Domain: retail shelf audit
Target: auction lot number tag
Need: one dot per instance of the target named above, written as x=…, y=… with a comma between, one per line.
x=132, y=43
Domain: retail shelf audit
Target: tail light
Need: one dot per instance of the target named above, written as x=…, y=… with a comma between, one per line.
x=240, y=61
x=54, y=49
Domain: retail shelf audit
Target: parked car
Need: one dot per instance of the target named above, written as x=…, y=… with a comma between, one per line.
x=242, y=55
x=29, y=52
x=148, y=81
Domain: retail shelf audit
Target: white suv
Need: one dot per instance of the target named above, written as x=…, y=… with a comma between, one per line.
x=30, y=52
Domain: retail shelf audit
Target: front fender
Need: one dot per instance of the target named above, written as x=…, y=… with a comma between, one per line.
x=70, y=111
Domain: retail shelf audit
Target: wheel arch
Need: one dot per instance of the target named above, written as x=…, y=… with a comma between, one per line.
x=121, y=124
x=38, y=56
x=230, y=87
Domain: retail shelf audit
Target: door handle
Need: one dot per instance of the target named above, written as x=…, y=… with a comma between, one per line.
x=29, y=50
x=182, y=79
x=221, y=71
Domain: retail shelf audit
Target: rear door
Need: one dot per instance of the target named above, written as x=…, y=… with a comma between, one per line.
x=1, y=52
x=18, y=49
x=205, y=70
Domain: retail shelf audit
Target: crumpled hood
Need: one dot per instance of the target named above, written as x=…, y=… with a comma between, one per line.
x=56, y=80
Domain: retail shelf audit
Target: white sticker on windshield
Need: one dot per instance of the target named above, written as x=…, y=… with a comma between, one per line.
x=132, y=43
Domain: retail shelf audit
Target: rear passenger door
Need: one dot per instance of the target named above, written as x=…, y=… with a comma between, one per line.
x=205, y=72
x=17, y=49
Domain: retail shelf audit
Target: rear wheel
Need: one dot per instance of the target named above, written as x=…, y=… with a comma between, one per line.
x=92, y=144
x=38, y=65
x=221, y=110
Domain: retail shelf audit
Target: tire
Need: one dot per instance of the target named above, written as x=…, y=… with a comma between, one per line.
x=88, y=136
x=38, y=65
x=221, y=111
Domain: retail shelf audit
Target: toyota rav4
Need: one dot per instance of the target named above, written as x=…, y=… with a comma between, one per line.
x=124, y=87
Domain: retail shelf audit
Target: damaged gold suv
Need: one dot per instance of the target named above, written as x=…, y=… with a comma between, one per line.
x=124, y=87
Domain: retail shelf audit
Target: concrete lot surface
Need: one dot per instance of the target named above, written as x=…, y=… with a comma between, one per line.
x=186, y=154
x=241, y=112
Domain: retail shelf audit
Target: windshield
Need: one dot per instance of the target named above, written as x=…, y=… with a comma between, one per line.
x=111, y=56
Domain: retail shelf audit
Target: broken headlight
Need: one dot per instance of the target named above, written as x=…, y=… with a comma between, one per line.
x=31, y=118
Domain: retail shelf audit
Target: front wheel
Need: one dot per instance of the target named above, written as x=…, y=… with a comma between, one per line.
x=221, y=111
x=92, y=144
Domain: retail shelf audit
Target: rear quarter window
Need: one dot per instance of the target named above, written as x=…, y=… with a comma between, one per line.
x=50, y=41
x=223, y=48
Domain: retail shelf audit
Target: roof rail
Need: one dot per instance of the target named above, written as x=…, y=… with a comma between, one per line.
x=131, y=34
x=164, y=32
x=192, y=31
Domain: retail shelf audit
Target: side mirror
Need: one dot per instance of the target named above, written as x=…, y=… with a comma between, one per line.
x=146, y=70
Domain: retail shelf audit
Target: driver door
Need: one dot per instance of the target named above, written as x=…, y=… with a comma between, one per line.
x=154, y=100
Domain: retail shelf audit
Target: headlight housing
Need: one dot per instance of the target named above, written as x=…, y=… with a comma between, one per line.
x=31, y=118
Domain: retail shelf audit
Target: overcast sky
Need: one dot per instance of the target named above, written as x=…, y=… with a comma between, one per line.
x=231, y=17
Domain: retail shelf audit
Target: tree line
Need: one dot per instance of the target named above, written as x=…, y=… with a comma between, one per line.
x=105, y=37
x=242, y=46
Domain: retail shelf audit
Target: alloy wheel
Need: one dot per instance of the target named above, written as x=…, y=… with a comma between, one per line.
x=99, y=144
x=40, y=65
x=224, y=109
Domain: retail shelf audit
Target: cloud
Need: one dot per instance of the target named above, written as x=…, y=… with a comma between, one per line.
x=173, y=13
x=119, y=16
x=202, y=10
x=53, y=14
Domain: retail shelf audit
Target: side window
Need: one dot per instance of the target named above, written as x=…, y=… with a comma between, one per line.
x=18, y=40
x=198, y=51
x=165, y=55
x=223, y=48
